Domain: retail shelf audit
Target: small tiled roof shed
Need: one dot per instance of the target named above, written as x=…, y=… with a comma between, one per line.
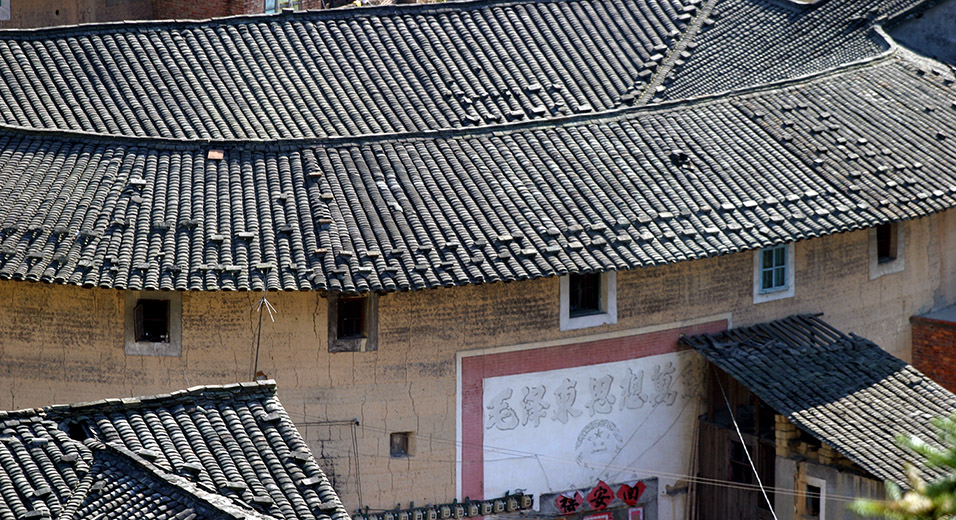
x=208, y=453
x=842, y=389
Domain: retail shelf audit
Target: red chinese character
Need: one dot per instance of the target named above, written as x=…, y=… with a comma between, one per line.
x=600, y=496
x=630, y=495
x=567, y=505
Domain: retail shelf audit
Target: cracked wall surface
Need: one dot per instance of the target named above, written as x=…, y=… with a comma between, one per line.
x=65, y=344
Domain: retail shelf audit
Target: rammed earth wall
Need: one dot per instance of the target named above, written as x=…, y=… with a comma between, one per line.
x=65, y=344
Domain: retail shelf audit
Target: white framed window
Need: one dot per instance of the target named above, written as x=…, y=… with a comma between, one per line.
x=773, y=273
x=275, y=6
x=154, y=323
x=588, y=300
x=886, y=249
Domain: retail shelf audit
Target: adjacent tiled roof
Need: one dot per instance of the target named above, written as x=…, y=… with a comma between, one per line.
x=411, y=68
x=753, y=42
x=843, y=389
x=338, y=72
x=209, y=452
x=121, y=484
x=846, y=150
x=334, y=150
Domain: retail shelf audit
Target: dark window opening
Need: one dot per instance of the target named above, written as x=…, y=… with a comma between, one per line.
x=813, y=501
x=584, y=295
x=886, y=243
x=398, y=442
x=152, y=321
x=351, y=318
x=739, y=466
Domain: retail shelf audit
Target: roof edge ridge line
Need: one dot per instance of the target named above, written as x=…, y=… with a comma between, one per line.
x=326, y=14
x=149, y=400
x=331, y=141
x=212, y=500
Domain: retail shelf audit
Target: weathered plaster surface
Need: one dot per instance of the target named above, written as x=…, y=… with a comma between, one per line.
x=65, y=344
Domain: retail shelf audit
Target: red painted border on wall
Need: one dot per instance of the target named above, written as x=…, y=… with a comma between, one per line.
x=475, y=369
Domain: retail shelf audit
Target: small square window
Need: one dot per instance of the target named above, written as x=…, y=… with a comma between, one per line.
x=886, y=243
x=399, y=444
x=588, y=300
x=352, y=323
x=153, y=323
x=773, y=268
x=813, y=503
x=351, y=318
x=886, y=249
x=275, y=6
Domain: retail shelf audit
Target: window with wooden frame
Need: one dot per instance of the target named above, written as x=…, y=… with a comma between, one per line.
x=153, y=323
x=353, y=323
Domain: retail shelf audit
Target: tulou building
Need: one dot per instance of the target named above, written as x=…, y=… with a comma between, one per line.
x=481, y=246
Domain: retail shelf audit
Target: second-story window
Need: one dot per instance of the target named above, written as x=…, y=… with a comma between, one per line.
x=773, y=268
x=588, y=300
x=353, y=323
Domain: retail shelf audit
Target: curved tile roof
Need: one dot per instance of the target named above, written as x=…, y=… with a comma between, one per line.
x=414, y=68
x=211, y=155
x=339, y=72
x=748, y=42
x=207, y=452
x=845, y=151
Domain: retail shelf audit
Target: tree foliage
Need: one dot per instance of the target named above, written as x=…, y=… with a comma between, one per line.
x=923, y=500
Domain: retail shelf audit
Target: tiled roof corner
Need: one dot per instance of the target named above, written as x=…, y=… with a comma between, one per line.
x=210, y=451
x=137, y=479
x=841, y=388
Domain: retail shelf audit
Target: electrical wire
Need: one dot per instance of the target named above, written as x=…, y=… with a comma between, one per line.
x=518, y=454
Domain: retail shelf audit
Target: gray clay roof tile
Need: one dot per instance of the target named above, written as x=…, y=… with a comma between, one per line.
x=279, y=152
x=196, y=454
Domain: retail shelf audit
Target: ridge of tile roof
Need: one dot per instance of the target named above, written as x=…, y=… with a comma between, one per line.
x=645, y=188
x=841, y=388
x=205, y=452
x=608, y=116
x=121, y=483
x=409, y=68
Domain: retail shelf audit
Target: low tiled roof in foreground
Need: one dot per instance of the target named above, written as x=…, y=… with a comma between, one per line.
x=228, y=452
x=843, y=389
